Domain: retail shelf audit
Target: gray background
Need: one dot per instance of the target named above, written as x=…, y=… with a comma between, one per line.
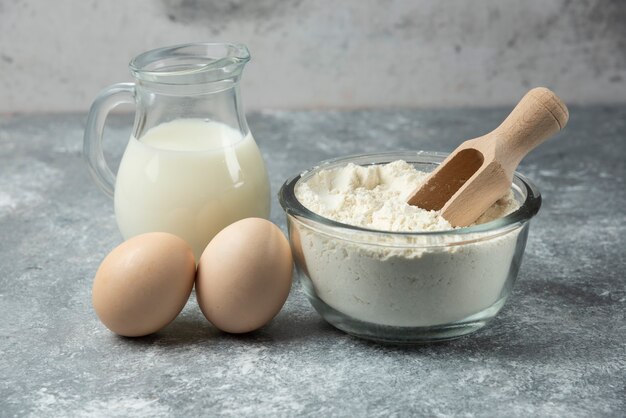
x=56, y=55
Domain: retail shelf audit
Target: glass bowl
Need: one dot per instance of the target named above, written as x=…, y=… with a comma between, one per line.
x=406, y=287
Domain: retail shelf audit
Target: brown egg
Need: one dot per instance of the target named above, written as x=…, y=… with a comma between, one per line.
x=244, y=275
x=144, y=283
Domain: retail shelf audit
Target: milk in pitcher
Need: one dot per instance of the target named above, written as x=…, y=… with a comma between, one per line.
x=192, y=178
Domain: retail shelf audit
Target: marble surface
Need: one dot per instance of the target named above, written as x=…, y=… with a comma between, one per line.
x=558, y=348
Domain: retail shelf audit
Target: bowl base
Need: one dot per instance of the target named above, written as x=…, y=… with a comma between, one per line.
x=403, y=335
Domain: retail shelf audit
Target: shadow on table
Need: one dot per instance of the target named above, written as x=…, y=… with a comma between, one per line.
x=501, y=339
x=517, y=333
x=192, y=328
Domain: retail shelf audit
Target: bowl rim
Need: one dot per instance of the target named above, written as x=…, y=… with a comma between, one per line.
x=292, y=206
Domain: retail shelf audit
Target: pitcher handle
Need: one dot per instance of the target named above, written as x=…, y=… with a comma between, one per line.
x=106, y=100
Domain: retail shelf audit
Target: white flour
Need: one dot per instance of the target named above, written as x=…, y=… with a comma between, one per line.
x=383, y=284
x=375, y=197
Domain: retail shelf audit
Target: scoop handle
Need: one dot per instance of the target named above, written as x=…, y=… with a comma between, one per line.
x=539, y=115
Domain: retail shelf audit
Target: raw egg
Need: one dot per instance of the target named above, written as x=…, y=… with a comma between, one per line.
x=144, y=283
x=244, y=275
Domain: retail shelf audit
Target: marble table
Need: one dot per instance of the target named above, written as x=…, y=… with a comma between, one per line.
x=558, y=348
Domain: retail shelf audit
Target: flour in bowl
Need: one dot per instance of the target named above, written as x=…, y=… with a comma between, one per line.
x=393, y=279
x=375, y=197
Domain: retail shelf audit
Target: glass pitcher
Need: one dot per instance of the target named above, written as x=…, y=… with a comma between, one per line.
x=191, y=166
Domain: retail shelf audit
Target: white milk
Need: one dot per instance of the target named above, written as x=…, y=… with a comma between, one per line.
x=191, y=178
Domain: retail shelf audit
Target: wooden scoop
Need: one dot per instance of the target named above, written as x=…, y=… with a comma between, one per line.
x=480, y=170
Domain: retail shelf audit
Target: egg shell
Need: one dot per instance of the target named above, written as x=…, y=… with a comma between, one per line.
x=244, y=275
x=144, y=283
